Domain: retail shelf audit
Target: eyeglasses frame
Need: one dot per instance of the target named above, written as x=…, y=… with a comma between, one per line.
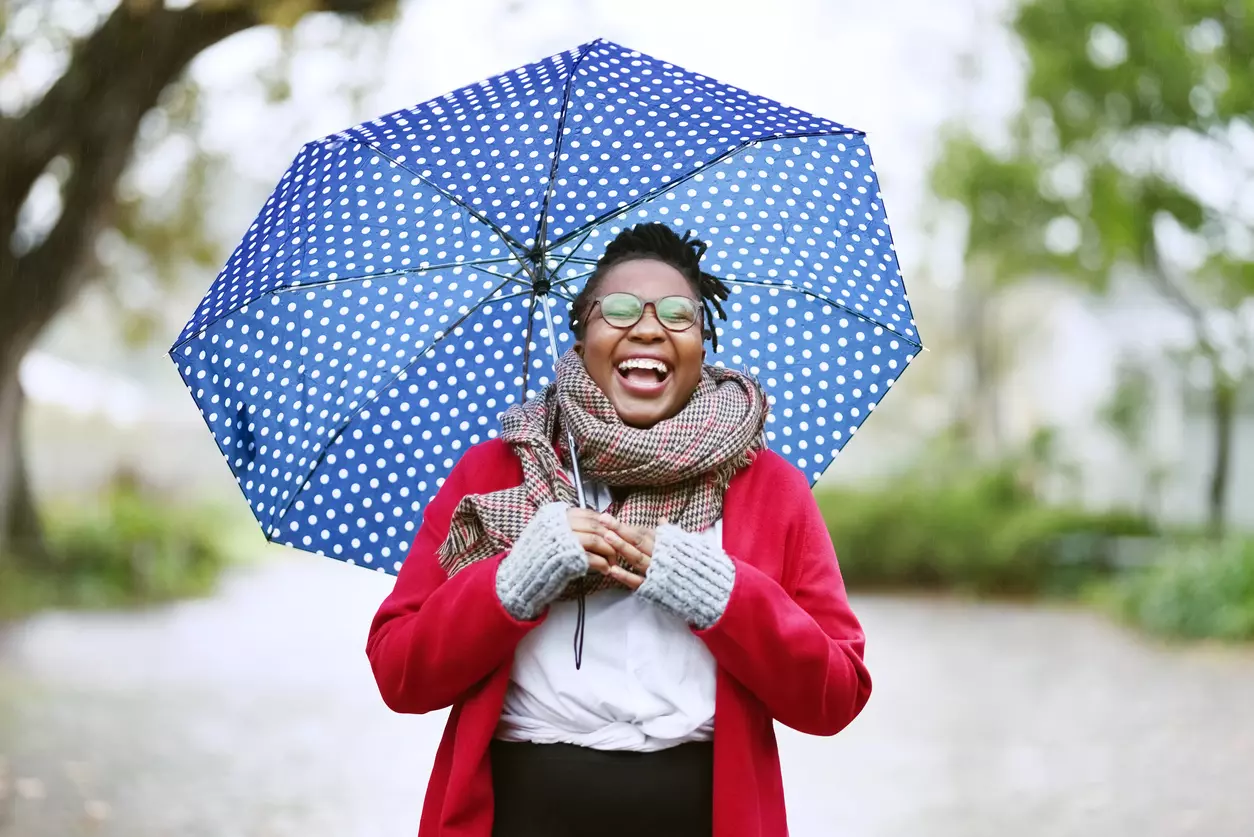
x=645, y=303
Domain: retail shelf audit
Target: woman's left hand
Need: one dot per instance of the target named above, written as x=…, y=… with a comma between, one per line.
x=634, y=544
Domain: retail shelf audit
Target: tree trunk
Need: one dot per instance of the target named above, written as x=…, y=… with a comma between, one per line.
x=1223, y=415
x=21, y=535
x=90, y=116
x=983, y=419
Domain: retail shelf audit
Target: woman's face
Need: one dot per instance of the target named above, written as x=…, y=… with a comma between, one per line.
x=641, y=396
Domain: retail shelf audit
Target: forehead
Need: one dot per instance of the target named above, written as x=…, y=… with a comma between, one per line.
x=647, y=278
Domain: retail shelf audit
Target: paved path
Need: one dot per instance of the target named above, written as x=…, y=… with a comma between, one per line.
x=254, y=714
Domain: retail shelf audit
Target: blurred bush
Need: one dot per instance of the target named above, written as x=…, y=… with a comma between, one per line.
x=132, y=547
x=971, y=531
x=1193, y=590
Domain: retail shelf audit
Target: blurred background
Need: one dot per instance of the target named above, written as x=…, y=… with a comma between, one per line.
x=1046, y=529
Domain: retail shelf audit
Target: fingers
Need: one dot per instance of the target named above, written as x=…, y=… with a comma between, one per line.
x=586, y=521
x=606, y=539
x=591, y=534
x=639, y=537
x=595, y=544
x=628, y=579
x=611, y=568
x=599, y=565
x=632, y=554
x=625, y=530
x=585, y=518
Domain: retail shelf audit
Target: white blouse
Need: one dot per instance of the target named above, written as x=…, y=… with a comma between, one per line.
x=646, y=682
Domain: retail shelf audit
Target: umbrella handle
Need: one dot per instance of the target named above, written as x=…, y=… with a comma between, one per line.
x=570, y=437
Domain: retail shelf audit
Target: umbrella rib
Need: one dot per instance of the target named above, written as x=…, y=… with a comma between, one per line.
x=648, y=196
x=339, y=431
x=571, y=255
x=553, y=291
x=576, y=277
x=513, y=277
x=542, y=225
x=325, y=282
x=508, y=239
x=821, y=298
x=322, y=283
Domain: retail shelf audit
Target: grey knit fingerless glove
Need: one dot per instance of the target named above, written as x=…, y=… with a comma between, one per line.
x=688, y=576
x=546, y=557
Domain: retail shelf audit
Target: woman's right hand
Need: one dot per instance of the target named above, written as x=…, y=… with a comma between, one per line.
x=590, y=532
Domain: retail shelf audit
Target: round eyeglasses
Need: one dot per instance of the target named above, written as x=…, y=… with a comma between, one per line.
x=624, y=310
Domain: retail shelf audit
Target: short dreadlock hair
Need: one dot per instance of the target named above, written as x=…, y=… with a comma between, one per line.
x=659, y=242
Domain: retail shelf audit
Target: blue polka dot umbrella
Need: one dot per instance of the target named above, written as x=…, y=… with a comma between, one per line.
x=410, y=278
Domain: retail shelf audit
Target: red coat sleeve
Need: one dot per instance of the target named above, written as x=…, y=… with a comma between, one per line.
x=799, y=650
x=435, y=637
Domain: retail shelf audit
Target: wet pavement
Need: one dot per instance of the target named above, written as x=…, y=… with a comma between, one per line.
x=253, y=713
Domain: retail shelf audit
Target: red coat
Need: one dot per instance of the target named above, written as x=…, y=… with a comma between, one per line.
x=788, y=647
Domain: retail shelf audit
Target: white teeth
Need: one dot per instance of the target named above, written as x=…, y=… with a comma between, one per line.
x=643, y=363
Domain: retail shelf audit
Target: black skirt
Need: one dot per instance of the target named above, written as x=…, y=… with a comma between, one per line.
x=560, y=790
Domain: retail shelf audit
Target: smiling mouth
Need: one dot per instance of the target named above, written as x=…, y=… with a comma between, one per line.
x=642, y=373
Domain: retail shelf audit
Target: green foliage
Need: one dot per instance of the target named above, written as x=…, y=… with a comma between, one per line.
x=131, y=549
x=1130, y=108
x=1195, y=590
x=1115, y=90
x=1006, y=215
x=980, y=532
x=1127, y=411
x=1131, y=62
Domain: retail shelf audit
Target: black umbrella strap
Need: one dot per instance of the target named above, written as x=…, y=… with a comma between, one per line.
x=579, y=622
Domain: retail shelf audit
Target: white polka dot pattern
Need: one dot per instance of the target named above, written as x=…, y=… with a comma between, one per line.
x=378, y=316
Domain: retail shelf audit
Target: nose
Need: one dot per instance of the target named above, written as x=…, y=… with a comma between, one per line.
x=648, y=329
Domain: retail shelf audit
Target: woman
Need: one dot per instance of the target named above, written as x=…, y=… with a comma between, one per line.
x=702, y=589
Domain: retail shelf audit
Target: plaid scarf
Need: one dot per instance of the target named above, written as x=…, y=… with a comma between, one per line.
x=677, y=470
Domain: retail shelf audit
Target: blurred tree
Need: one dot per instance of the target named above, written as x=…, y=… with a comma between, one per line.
x=1133, y=155
x=1128, y=414
x=68, y=148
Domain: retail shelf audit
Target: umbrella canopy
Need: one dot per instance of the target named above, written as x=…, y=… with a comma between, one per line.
x=409, y=279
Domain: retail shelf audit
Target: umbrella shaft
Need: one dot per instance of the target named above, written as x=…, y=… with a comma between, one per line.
x=570, y=437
